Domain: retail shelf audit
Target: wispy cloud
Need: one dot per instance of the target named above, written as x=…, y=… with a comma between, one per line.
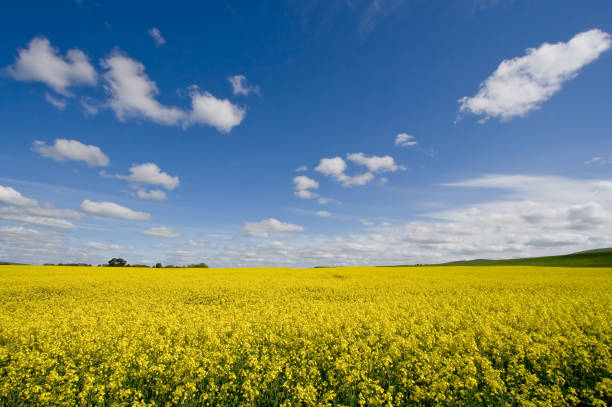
x=157, y=36
x=267, y=226
x=162, y=231
x=241, y=87
x=522, y=84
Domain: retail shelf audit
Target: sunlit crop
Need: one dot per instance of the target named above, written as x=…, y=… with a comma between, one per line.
x=333, y=336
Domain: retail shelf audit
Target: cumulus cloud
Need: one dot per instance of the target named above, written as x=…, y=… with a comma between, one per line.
x=133, y=95
x=303, y=187
x=301, y=169
x=240, y=86
x=58, y=103
x=161, y=231
x=522, y=84
x=157, y=36
x=405, y=140
x=335, y=167
x=151, y=174
x=40, y=62
x=11, y=196
x=267, y=226
x=331, y=166
x=218, y=113
x=155, y=194
x=356, y=180
x=375, y=163
x=64, y=150
x=111, y=209
x=323, y=214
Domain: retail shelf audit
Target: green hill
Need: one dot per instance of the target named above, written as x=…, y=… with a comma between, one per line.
x=589, y=258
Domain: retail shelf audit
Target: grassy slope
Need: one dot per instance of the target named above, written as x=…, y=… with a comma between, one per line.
x=590, y=258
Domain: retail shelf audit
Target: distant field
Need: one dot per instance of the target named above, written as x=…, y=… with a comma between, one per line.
x=332, y=336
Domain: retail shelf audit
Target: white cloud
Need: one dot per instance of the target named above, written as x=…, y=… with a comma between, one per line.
x=599, y=161
x=356, y=180
x=151, y=174
x=303, y=186
x=325, y=201
x=405, y=140
x=63, y=150
x=58, y=103
x=21, y=215
x=375, y=163
x=549, y=189
x=267, y=226
x=25, y=210
x=132, y=93
x=301, y=168
x=111, y=209
x=10, y=196
x=102, y=246
x=90, y=106
x=18, y=230
x=305, y=194
x=161, y=231
x=40, y=62
x=155, y=194
x=218, y=113
x=333, y=167
x=200, y=243
x=323, y=214
x=522, y=84
x=157, y=36
x=50, y=212
x=240, y=87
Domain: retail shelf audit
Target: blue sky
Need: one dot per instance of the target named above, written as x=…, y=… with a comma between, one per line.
x=304, y=133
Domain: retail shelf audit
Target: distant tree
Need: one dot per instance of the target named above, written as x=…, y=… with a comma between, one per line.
x=158, y=265
x=117, y=262
x=199, y=266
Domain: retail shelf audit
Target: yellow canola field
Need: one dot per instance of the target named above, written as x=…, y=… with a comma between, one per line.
x=453, y=336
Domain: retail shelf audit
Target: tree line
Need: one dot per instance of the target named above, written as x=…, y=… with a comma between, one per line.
x=119, y=262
